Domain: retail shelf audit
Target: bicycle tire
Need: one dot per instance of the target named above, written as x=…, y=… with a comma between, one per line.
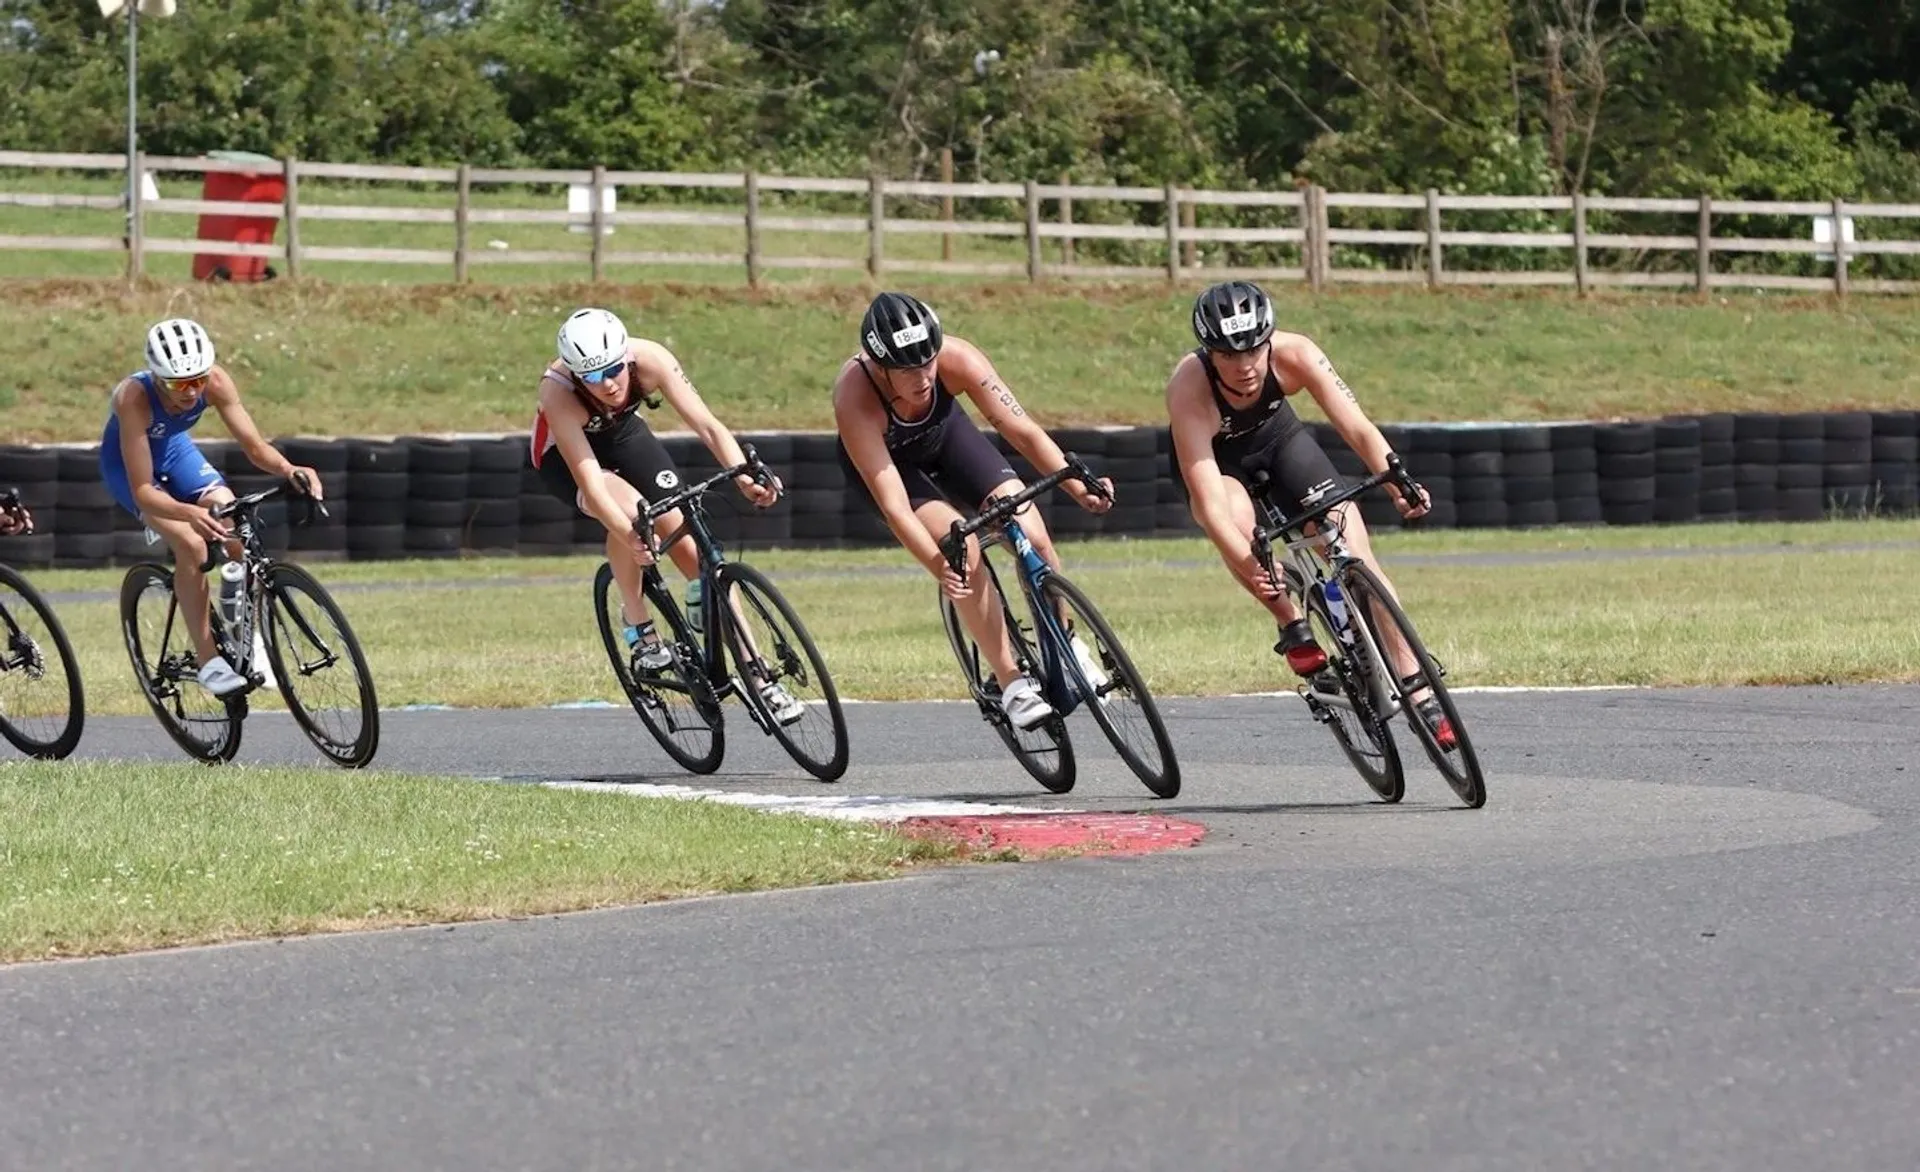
x=1162, y=781
x=17, y=643
x=1033, y=748
x=1350, y=670
x=283, y=620
x=1461, y=764
x=751, y=582
x=166, y=677
x=705, y=729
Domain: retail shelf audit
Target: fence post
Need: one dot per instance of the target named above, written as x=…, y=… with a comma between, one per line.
x=1433, y=238
x=598, y=222
x=946, y=202
x=136, y=218
x=876, y=217
x=1311, y=245
x=753, y=230
x=1326, y=234
x=1173, y=232
x=1580, y=243
x=1703, y=248
x=1033, y=231
x=291, y=214
x=1839, y=248
x=463, y=183
x=1188, y=256
x=1066, y=221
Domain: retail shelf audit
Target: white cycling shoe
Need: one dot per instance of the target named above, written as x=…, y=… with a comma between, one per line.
x=1089, y=666
x=217, y=676
x=781, y=704
x=1024, y=705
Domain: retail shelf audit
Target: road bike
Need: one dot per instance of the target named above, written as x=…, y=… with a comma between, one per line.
x=1357, y=695
x=776, y=671
x=1043, y=650
x=285, y=616
x=42, y=706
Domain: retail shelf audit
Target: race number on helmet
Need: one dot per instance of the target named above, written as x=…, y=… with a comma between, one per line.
x=900, y=332
x=592, y=339
x=179, y=348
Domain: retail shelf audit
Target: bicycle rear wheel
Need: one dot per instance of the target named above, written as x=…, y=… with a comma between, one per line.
x=206, y=726
x=677, y=705
x=772, y=647
x=1121, y=703
x=1458, y=763
x=312, y=649
x=1044, y=751
x=42, y=709
x=1341, y=696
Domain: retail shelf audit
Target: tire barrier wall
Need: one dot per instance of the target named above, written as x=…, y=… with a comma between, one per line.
x=441, y=498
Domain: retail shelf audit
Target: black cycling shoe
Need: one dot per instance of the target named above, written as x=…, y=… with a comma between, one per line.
x=1297, y=646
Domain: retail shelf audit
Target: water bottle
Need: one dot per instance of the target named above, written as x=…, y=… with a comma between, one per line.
x=1337, y=608
x=233, y=597
x=693, y=607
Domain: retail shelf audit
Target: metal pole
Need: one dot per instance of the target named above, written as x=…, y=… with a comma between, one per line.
x=133, y=116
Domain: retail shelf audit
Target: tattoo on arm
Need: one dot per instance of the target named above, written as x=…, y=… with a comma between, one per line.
x=999, y=390
x=1344, y=388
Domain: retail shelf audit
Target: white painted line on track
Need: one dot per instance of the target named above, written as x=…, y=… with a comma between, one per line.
x=845, y=807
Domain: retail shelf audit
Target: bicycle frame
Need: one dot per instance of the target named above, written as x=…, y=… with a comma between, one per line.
x=999, y=518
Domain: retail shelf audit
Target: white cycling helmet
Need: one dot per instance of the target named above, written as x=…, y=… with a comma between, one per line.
x=592, y=339
x=179, y=348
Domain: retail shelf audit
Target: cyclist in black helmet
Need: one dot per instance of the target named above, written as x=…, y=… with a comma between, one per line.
x=1227, y=404
x=904, y=435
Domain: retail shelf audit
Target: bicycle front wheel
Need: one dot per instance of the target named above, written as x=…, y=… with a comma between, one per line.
x=1341, y=696
x=1457, y=762
x=321, y=672
x=1117, y=696
x=1044, y=750
x=676, y=704
x=782, y=674
x=42, y=709
x=207, y=727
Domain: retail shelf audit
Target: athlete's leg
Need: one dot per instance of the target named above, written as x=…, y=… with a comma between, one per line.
x=980, y=611
x=1240, y=508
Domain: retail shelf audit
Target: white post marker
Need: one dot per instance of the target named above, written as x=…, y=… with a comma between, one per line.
x=580, y=207
x=1823, y=234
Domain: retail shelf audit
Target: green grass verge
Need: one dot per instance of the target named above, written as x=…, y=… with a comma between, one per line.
x=513, y=633
x=101, y=858
x=353, y=360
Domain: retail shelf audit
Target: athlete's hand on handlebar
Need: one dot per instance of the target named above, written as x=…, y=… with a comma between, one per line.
x=14, y=517
x=640, y=537
x=758, y=483
x=1093, y=500
x=306, y=482
x=950, y=566
x=204, y=523
x=1409, y=497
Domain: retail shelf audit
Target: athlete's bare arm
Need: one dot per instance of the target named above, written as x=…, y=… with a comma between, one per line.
x=656, y=369
x=964, y=368
x=223, y=395
x=1298, y=363
x=1194, y=418
x=567, y=420
x=862, y=424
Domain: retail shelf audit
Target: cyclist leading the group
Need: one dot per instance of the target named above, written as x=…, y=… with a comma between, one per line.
x=1227, y=404
x=903, y=433
x=153, y=470
x=592, y=450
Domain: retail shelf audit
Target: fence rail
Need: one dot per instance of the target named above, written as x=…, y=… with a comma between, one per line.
x=1162, y=223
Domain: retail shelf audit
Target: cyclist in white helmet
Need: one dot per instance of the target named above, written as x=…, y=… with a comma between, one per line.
x=153, y=470
x=594, y=451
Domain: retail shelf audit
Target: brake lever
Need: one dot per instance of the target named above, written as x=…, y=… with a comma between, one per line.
x=954, y=546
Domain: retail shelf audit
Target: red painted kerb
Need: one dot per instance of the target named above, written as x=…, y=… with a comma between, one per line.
x=1081, y=834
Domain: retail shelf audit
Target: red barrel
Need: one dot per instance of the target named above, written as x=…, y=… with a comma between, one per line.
x=263, y=186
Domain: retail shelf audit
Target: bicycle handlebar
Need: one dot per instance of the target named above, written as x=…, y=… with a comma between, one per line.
x=998, y=509
x=1395, y=474
x=10, y=504
x=753, y=466
x=296, y=486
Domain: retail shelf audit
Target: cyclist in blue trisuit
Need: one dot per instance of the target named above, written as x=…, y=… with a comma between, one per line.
x=1227, y=403
x=905, y=437
x=154, y=471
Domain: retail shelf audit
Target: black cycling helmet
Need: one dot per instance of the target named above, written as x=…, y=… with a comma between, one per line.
x=1233, y=315
x=900, y=332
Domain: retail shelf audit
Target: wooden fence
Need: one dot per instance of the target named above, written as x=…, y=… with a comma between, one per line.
x=1314, y=239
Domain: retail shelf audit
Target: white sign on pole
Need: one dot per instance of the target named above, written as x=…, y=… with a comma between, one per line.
x=1823, y=234
x=580, y=207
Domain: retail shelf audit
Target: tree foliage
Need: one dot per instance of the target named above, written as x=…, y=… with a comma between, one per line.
x=1788, y=98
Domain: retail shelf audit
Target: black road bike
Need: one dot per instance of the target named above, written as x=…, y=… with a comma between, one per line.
x=776, y=671
x=42, y=708
x=1043, y=649
x=316, y=662
x=1358, y=694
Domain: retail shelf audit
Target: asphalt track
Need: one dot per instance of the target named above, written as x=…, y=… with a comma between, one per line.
x=1684, y=933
